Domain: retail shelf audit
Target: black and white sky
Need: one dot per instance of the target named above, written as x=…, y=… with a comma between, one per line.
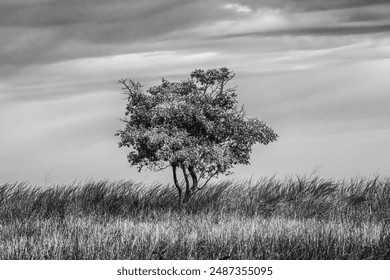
x=317, y=71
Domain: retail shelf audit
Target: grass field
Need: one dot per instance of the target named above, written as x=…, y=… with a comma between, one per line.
x=292, y=218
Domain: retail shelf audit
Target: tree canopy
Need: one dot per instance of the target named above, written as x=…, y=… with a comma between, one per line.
x=195, y=125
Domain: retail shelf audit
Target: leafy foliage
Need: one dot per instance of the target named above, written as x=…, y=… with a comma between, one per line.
x=194, y=124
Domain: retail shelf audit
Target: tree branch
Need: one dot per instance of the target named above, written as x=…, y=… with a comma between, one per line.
x=124, y=82
x=158, y=168
x=211, y=176
x=134, y=86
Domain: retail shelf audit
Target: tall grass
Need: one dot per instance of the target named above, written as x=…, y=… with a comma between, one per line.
x=293, y=218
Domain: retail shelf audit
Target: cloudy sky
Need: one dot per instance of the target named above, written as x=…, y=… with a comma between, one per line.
x=317, y=71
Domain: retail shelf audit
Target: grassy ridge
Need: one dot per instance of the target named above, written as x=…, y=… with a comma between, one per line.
x=301, y=218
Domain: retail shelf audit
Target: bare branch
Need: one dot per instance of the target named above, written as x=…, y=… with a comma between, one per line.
x=158, y=168
x=211, y=176
x=129, y=85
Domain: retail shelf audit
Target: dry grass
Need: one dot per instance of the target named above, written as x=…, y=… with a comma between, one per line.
x=301, y=218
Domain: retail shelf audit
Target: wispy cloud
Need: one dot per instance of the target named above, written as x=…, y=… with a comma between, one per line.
x=91, y=76
x=238, y=8
x=317, y=31
x=312, y=5
x=331, y=22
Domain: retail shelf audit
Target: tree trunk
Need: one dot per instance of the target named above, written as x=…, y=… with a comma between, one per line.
x=187, y=193
x=177, y=185
x=194, y=178
x=189, y=188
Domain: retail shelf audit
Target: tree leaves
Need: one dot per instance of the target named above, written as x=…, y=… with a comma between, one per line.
x=194, y=123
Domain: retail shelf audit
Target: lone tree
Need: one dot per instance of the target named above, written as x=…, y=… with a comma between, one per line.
x=194, y=126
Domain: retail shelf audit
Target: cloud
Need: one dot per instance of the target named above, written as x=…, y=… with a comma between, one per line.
x=283, y=22
x=311, y=5
x=315, y=69
x=301, y=17
x=258, y=20
x=370, y=14
x=47, y=31
x=317, y=31
x=335, y=4
x=238, y=8
x=60, y=13
x=98, y=75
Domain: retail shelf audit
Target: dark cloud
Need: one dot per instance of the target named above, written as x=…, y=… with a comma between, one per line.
x=60, y=13
x=317, y=31
x=40, y=31
x=372, y=14
x=328, y=18
x=36, y=32
x=312, y=5
x=335, y=4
